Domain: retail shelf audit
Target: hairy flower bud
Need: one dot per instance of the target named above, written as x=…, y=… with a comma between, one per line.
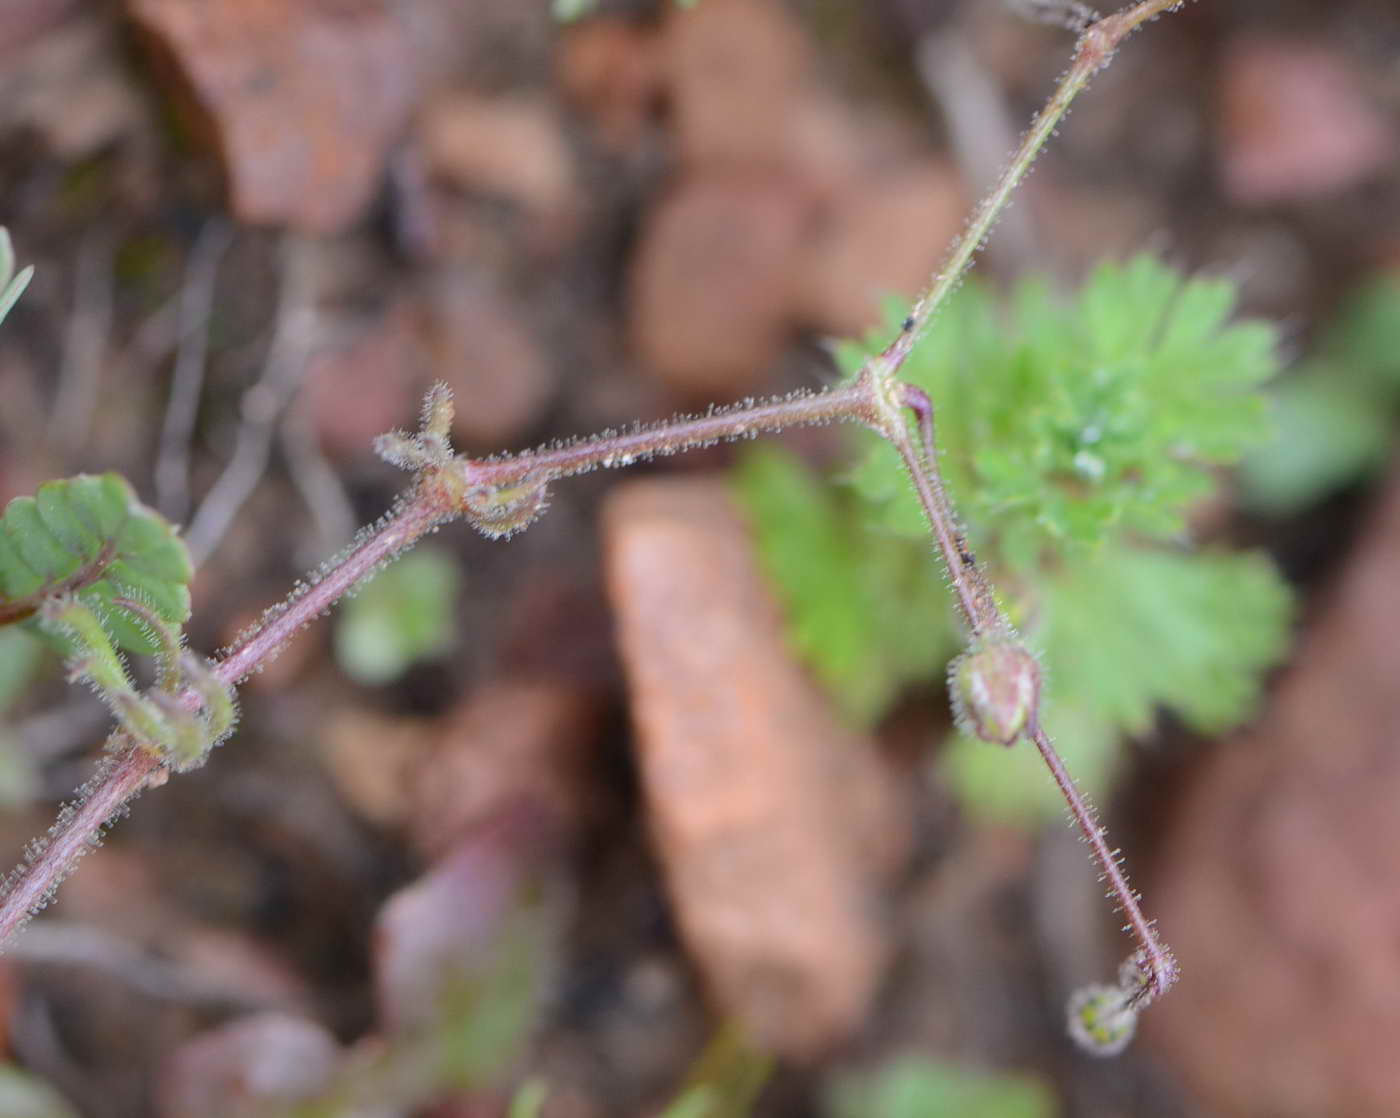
x=1102, y=1019
x=499, y=511
x=995, y=689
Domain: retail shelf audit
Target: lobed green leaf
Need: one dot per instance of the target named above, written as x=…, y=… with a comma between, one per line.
x=867, y=619
x=1060, y=423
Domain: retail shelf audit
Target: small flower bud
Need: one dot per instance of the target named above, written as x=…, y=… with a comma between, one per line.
x=438, y=413
x=995, y=689
x=1101, y=1019
x=185, y=745
x=499, y=511
x=402, y=450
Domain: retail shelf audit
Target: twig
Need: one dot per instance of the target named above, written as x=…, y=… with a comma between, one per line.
x=187, y=383
x=151, y=341
x=1069, y=14
x=319, y=485
x=84, y=344
x=980, y=129
x=37, y=1043
x=72, y=945
x=262, y=405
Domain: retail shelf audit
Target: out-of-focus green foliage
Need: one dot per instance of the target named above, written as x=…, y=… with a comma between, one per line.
x=488, y=1015
x=20, y=658
x=405, y=615
x=484, y=1018
x=867, y=617
x=918, y=1088
x=24, y=1096
x=1075, y=436
x=21, y=653
x=1335, y=416
x=725, y=1080
x=529, y=1100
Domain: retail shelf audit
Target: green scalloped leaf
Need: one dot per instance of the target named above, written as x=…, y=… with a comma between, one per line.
x=1064, y=422
x=867, y=618
x=90, y=535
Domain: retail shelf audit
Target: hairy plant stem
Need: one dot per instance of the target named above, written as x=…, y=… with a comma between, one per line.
x=1093, y=52
x=850, y=402
x=875, y=397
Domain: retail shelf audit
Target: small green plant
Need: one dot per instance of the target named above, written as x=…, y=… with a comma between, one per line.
x=173, y=724
x=1075, y=439
x=470, y=1040
x=529, y=1100
x=96, y=571
x=23, y=1096
x=401, y=618
x=914, y=1087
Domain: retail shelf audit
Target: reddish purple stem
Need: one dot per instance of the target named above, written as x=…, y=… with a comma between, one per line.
x=1159, y=963
x=73, y=836
x=133, y=767
x=846, y=403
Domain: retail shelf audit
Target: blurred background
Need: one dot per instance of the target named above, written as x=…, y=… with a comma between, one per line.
x=565, y=826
